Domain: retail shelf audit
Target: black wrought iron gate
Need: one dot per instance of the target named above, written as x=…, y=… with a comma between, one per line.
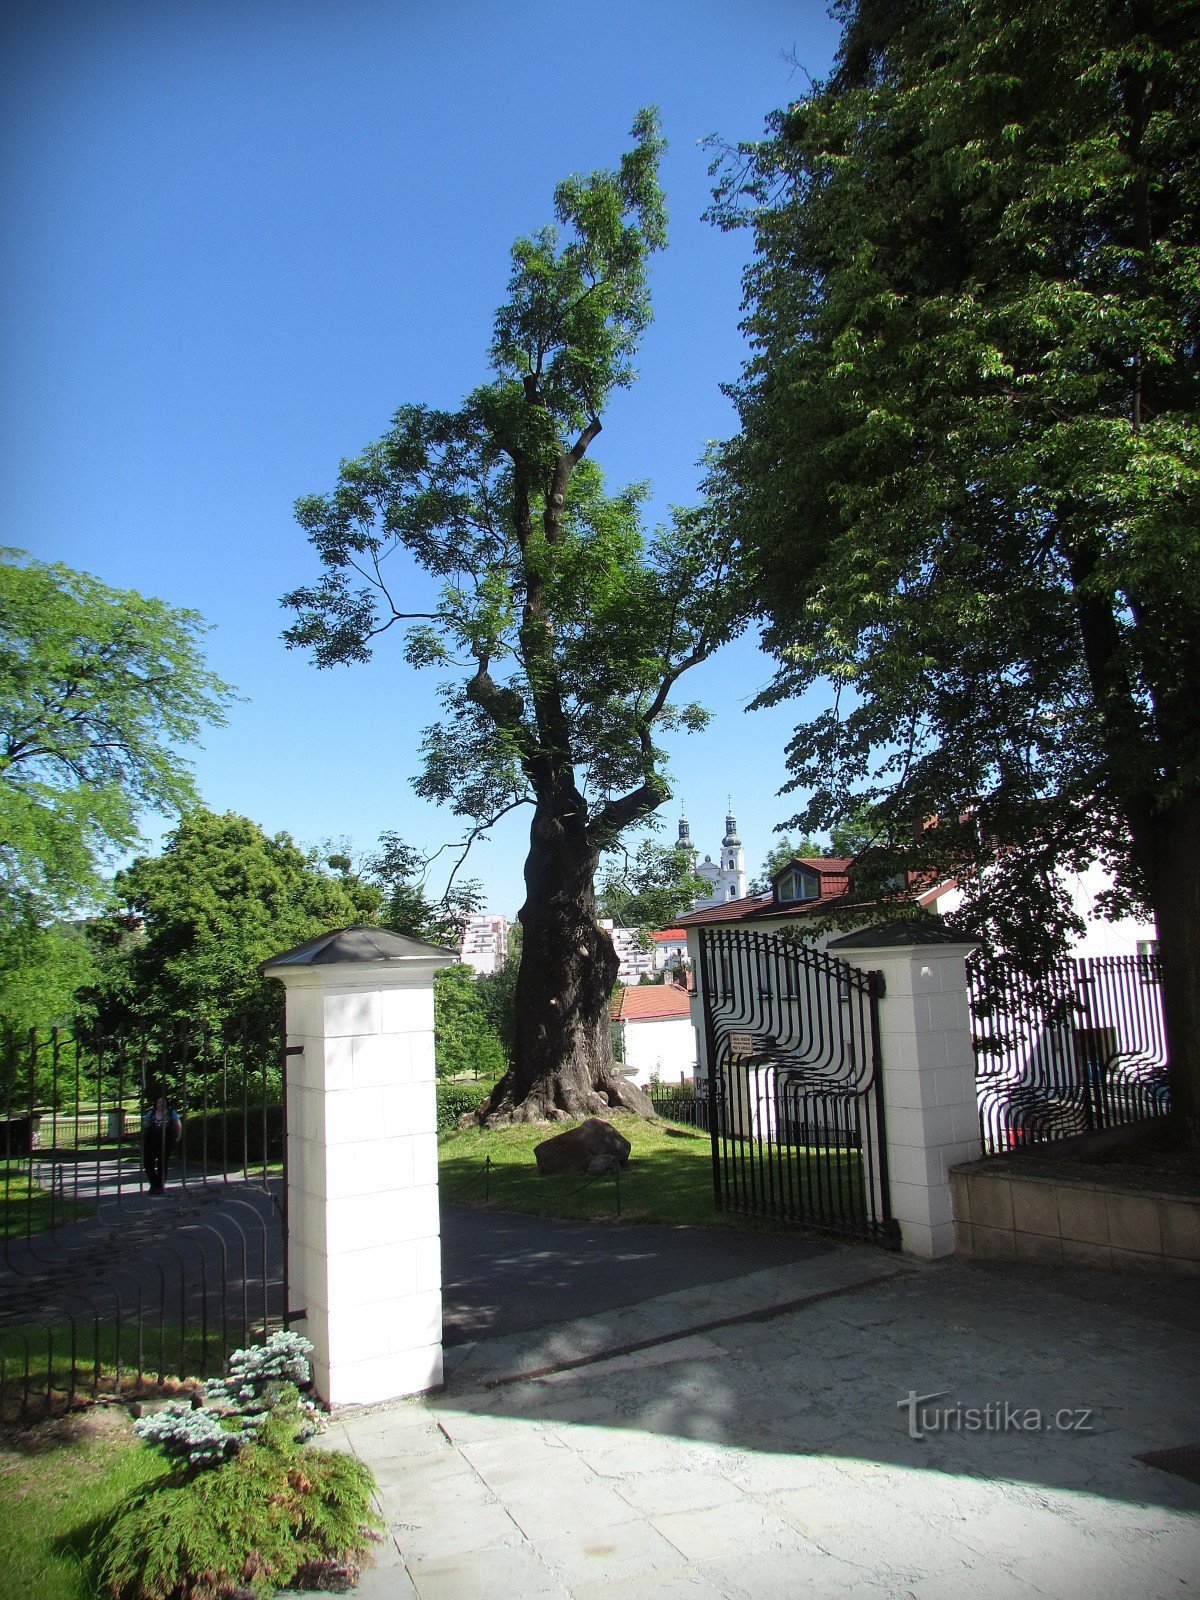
x=136, y=1251
x=795, y=1090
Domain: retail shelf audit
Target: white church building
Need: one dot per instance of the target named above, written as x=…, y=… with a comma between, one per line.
x=726, y=878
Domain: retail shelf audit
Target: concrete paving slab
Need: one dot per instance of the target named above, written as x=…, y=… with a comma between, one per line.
x=710, y=1535
x=773, y=1457
x=502, y=1573
x=629, y=1555
x=450, y=1528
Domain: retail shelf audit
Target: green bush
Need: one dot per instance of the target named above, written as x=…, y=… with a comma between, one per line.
x=454, y=1100
x=225, y=1140
x=248, y=1508
x=273, y=1514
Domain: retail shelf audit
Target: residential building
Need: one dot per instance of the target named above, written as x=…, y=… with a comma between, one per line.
x=636, y=963
x=656, y=1038
x=484, y=942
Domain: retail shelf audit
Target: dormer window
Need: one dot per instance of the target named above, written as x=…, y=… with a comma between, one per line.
x=799, y=884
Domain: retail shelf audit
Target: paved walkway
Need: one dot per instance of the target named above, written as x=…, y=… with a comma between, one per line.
x=744, y=1441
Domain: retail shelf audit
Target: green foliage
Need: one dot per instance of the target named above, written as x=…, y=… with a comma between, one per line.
x=968, y=477
x=249, y=1508
x=395, y=868
x=193, y=1434
x=465, y=1038
x=259, y=1375
x=649, y=888
x=221, y=898
x=41, y=968
x=272, y=1513
x=456, y=1100
x=99, y=688
x=569, y=623
x=497, y=992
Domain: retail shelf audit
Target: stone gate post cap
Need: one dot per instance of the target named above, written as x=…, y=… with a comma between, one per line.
x=915, y=931
x=359, y=944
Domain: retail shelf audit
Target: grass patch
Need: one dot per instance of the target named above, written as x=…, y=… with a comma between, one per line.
x=27, y=1208
x=669, y=1177
x=40, y=1374
x=55, y=1480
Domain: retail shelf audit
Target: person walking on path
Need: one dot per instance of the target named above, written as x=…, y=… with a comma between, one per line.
x=161, y=1132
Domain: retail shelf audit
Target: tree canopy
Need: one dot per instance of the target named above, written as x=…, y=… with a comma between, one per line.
x=566, y=624
x=99, y=688
x=968, y=476
x=197, y=920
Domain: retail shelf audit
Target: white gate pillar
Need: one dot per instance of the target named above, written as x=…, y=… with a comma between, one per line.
x=931, y=1110
x=364, y=1245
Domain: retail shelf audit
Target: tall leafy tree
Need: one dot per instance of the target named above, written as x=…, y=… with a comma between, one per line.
x=570, y=624
x=198, y=919
x=968, y=475
x=99, y=689
x=466, y=1039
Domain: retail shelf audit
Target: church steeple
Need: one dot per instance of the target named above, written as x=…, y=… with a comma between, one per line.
x=685, y=837
x=731, y=840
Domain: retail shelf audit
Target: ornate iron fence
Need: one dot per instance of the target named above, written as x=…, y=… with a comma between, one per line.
x=794, y=1090
x=136, y=1248
x=1078, y=1047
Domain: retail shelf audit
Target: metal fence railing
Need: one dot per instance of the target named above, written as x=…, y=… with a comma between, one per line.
x=1075, y=1048
x=137, y=1248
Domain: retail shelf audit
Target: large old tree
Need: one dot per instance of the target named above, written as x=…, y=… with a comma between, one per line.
x=969, y=472
x=572, y=624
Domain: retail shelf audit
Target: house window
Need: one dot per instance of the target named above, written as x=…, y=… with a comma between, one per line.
x=799, y=885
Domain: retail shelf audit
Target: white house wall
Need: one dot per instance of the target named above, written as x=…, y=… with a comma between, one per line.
x=662, y=1045
x=1100, y=938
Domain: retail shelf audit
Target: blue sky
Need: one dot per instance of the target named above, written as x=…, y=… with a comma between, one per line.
x=242, y=232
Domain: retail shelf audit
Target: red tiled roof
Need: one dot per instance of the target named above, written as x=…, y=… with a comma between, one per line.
x=675, y=934
x=648, y=1001
x=835, y=886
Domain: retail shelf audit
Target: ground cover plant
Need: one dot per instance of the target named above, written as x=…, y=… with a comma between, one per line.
x=244, y=1507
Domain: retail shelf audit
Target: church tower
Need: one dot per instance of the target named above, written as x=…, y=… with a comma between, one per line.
x=733, y=860
x=684, y=841
x=726, y=879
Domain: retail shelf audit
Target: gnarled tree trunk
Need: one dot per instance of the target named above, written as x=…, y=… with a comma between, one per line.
x=562, y=1060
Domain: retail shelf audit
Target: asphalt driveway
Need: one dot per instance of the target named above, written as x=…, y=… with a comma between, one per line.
x=504, y=1273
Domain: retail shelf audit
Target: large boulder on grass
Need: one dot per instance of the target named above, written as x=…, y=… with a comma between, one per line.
x=593, y=1146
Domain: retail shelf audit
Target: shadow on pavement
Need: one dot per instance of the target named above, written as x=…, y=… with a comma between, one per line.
x=829, y=1380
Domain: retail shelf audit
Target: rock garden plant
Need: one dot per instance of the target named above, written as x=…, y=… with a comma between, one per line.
x=247, y=1508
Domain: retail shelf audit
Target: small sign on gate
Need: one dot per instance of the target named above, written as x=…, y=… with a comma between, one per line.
x=741, y=1044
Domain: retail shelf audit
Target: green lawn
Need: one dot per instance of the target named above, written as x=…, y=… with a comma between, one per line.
x=669, y=1177
x=56, y=1482
x=100, y=1351
x=28, y=1208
